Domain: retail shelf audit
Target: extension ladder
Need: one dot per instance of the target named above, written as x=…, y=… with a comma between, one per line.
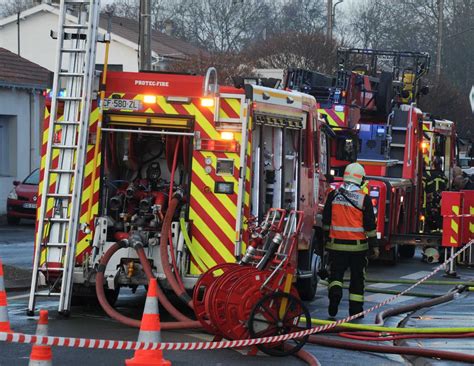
x=58, y=217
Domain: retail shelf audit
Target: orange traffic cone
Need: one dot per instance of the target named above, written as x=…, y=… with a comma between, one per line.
x=4, y=322
x=41, y=355
x=149, y=332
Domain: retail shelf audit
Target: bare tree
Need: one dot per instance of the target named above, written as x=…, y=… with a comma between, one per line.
x=221, y=25
x=307, y=16
x=10, y=7
x=161, y=11
x=228, y=64
x=295, y=49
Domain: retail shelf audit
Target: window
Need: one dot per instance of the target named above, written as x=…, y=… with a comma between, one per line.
x=323, y=160
x=33, y=178
x=8, y=146
x=110, y=67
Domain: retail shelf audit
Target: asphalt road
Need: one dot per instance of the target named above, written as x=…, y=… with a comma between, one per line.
x=16, y=244
x=91, y=322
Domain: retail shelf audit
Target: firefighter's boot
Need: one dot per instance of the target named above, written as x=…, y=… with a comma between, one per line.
x=332, y=309
x=335, y=296
x=356, y=307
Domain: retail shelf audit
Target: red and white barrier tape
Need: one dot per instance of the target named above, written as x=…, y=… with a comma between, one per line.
x=194, y=346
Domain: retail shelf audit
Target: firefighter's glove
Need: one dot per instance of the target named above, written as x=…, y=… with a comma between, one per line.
x=374, y=253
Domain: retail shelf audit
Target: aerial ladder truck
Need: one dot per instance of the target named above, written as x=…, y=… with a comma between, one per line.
x=371, y=105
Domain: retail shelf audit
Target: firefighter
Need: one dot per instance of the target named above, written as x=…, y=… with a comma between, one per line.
x=349, y=229
x=435, y=183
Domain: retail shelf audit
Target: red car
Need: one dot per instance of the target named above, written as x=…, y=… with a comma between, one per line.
x=21, y=201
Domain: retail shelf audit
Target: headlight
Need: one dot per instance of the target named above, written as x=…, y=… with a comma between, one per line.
x=12, y=195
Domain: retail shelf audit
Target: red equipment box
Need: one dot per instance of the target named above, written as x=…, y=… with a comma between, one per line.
x=468, y=216
x=451, y=210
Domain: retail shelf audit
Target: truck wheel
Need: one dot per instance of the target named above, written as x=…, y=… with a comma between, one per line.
x=383, y=99
x=394, y=254
x=13, y=220
x=308, y=260
x=407, y=251
x=86, y=295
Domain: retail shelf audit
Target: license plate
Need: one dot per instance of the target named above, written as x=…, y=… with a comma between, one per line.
x=29, y=205
x=127, y=104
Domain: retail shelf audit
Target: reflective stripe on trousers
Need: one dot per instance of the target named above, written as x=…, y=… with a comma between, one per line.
x=356, y=297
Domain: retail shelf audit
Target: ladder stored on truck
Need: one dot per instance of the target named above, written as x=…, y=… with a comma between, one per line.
x=58, y=216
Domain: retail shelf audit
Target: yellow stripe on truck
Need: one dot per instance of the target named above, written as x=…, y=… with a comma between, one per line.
x=204, y=229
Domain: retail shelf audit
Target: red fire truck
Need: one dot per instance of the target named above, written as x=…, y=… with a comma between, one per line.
x=371, y=107
x=182, y=166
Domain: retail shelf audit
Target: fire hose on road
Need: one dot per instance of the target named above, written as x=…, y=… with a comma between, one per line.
x=462, y=332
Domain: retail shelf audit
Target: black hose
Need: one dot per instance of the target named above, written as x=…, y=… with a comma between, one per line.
x=379, y=318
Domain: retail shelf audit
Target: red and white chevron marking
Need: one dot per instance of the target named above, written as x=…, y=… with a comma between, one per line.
x=194, y=346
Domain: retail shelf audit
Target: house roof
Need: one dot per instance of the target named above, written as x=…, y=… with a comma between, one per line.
x=17, y=71
x=124, y=31
x=161, y=43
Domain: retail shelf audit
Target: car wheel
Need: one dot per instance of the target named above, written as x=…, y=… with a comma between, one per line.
x=13, y=220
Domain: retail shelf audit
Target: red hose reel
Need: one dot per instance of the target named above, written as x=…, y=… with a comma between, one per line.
x=256, y=297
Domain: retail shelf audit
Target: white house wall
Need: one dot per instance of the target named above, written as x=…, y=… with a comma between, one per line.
x=37, y=46
x=22, y=109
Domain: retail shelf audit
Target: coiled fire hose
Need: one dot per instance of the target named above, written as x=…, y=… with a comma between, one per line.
x=183, y=321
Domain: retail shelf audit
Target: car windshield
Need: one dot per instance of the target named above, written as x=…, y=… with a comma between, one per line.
x=33, y=178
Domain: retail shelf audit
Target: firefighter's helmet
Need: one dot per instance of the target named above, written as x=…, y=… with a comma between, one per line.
x=354, y=173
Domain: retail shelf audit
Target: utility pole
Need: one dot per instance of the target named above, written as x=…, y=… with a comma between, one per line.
x=329, y=21
x=145, y=35
x=18, y=34
x=439, y=45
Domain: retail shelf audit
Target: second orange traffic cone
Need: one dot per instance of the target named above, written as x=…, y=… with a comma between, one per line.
x=4, y=322
x=41, y=355
x=150, y=331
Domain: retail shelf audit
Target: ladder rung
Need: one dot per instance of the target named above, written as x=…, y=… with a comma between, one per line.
x=46, y=293
x=78, y=2
x=77, y=99
x=61, y=171
x=399, y=128
x=75, y=26
x=56, y=245
x=57, y=146
x=68, y=123
x=71, y=74
x=397, y=145
x=73, y=50
x=56, y=219
x=59, y=195
x=56, y=269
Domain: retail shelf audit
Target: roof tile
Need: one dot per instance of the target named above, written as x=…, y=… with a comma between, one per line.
x=16, y=70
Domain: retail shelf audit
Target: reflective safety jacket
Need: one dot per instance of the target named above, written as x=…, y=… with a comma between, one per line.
x=349, y=221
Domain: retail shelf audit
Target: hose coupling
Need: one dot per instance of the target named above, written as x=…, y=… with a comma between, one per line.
x=179, y=194
x=137, y=240
x=123, y=243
